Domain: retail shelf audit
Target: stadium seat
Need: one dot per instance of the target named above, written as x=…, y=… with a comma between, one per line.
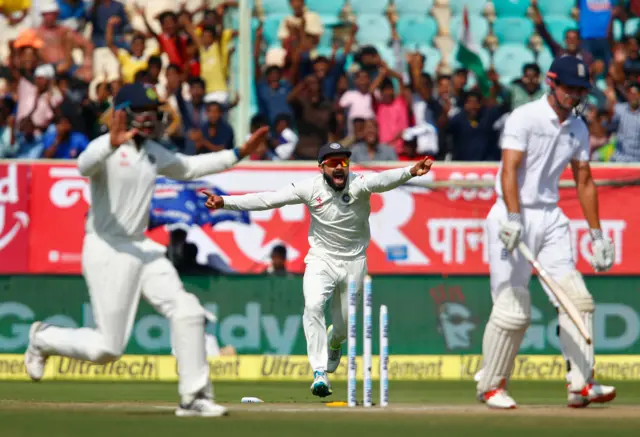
x=560, y=8
x=373, y=29
x=478, y=25
x=326, y=7
x=617, y=30
x=484, y=54
x=511, y=8
x=417, y=29
x=413, y=7
x=545, y=58
x=632, y=26
x=433, y=58
x=270, y=28
x=369, y=6
x=271, y=7
x=513, y=30
x=475, y=7
x=508, y=59
x=557, y=26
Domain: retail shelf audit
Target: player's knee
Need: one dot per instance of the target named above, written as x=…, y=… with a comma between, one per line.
x=104, y=355
x=188, y=307
x=313, y=309
x=573, y=284
x=512, y=308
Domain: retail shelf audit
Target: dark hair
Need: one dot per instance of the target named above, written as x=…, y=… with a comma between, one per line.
x=210, y=29
x=154, y=61
x=272, y=68
x=359, y=72
x=321, y=59
x=568, y=31
x=460, y=71
x=141, y=76
x=174, y=67
x=217, y=104
x=531, y=66
x=358, y=120
x=386, y=83
x=139, y=36
x=197, y=81
x=279, y=250
x=258, y=121
x=283, y=117
x=166, y=14
x=472, y=93
x=442, y=77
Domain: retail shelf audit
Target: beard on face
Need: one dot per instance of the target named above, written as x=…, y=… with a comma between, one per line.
x=337, y=180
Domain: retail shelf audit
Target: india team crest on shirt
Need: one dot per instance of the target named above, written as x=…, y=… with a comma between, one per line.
x=345, y=198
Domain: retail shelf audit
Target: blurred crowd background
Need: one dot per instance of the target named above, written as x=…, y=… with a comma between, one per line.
x=393, y=80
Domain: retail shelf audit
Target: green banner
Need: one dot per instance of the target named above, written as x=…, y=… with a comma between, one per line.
x=262, y=315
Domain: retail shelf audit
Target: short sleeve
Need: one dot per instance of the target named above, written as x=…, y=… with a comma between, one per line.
x=581, y=154
x=516, y=132
x=345, y=100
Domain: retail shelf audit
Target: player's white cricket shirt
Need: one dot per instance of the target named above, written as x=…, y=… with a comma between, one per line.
x=548, y=147
x=339, y=220
x=122, y=182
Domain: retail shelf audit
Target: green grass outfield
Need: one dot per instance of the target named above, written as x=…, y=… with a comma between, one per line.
x=416, y=408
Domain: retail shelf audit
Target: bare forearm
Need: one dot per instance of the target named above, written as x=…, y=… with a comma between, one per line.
x=509, y=181
x=588, y=197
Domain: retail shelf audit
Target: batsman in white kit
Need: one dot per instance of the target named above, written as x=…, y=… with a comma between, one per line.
x=540, y=139
x=120, y=264
x=339, y=204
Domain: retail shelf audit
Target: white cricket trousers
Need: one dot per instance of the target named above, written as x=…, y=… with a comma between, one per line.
x=546, y=233
x=117, y=273
x=323, y=279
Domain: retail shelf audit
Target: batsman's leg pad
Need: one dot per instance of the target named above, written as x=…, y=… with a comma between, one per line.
x=574, y=347
x=507, y=324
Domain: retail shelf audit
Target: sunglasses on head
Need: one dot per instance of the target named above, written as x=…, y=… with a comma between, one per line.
x=334, y=162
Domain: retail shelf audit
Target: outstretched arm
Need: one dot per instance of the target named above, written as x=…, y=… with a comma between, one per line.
x=288, y=195
x=390, y=179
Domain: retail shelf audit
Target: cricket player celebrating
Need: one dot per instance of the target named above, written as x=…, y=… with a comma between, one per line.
x=539, y=140
x=339, y=204
x=119, y=263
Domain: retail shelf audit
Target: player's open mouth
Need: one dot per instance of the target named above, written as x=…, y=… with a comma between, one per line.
x=338, y=178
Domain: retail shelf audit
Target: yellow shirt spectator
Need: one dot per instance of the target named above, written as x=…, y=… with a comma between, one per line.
x=130, y=64
x=8, y=7
x=213, y=63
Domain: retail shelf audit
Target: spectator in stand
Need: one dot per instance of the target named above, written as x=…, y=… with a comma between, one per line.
x=170, y=40
x=154, y=69
x=30, y=145
x=527, y=88
x=216, y=131
x=631, y=64
x=572, y=43
x=303, y=19
x=411, y=150
x=392, y=111
x=458, y=85
x=8, y=145
x=36, y=100
x=278, y=266
x=358, y=103
x=313, y=117
x=100, y=14
x=626, y=120
x=593, y=22
x=499, y=95
x=472, y=131
x=368, y=59
x=286, y=139
x=60, y=41
x=214, y=51
x=598, y=122
x=131, y=60
x=272, y=90
x=72, y=14
x=370, y=149
x=61, y=141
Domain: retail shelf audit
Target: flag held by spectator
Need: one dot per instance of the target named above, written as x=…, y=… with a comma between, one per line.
x=469, y=57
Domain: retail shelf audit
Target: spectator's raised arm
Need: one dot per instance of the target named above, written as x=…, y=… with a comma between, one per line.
x=140, y=10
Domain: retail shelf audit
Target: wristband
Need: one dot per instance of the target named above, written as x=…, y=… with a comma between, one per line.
x=237, y=152
x=514, y=217
x=596, y=234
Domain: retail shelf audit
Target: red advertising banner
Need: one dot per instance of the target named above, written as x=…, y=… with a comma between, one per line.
x=413, y=229
x=14, y=217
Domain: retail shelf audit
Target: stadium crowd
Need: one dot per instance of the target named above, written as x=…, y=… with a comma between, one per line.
x=314, y=81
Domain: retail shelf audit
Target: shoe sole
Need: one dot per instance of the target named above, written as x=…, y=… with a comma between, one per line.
x=190, y=413
x=321, y=390
x=35, y=326
x=503, y=408
x=604, y=398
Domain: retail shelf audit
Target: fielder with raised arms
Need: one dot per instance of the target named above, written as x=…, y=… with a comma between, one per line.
x=119, y=263
x=339, y=204
x=540, y=139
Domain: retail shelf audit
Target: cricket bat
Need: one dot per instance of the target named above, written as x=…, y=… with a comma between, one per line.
x=560, y=295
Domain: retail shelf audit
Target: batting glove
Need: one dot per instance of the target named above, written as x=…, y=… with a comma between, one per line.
x=510, y=231
x=603, y=251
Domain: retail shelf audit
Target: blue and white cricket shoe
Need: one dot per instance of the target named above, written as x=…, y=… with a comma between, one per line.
x=334, y=354
x=321, y=386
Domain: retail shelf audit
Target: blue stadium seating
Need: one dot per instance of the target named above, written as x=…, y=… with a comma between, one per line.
x=276, y=7
x=417, y=29
x=325, y=7
x=373, y=29
x=270, y=28
x=386, y=53
x=618, y=31
x=478, y=25
x=508, y=59
x=545, y=58
x=513, y=30
x=632, y=26
x=413, y=7
x=369, y=6
x=511, y=8
x=557, y=26
x=556, y=7
x=475, y=7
